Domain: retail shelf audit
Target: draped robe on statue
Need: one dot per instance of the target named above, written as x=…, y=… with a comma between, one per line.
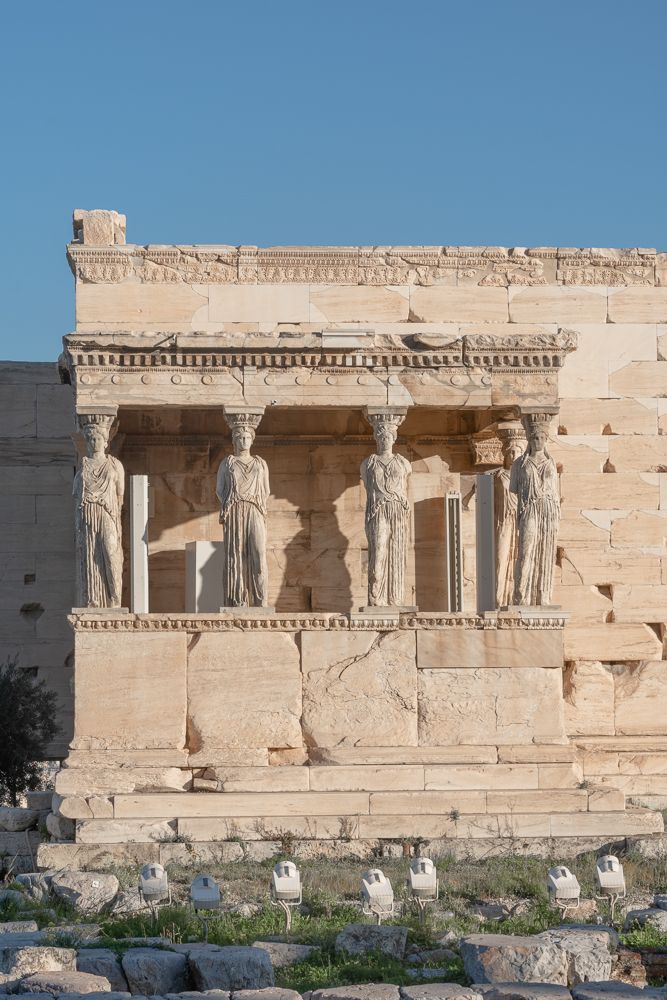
x=243, y=490
x=538, y=516
x=504, y=516
x=387, y=527
x=98, y=489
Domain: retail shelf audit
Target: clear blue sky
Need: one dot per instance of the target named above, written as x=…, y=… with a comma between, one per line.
x=309, y=122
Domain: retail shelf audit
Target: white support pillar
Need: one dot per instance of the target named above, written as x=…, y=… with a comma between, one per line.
x=139, y=544
x=485, y=544
x=454, y=552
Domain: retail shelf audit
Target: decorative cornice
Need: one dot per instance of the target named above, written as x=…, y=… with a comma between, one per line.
x=542, y=350
x=481, y=266
x=92, y=621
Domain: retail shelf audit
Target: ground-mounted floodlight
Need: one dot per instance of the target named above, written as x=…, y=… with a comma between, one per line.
x=564, y=889
x=205, y=896
x=377, y=895
x=611, y=879
x=286, y=889
x=423, y=884
x=154, y=886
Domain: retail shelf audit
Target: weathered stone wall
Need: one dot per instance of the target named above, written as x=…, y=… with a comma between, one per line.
x=37, y=462
x=326, y=727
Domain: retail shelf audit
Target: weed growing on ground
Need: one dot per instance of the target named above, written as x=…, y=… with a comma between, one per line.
x=645, y=937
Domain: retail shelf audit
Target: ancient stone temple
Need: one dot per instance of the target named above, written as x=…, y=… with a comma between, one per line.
x=370, y=542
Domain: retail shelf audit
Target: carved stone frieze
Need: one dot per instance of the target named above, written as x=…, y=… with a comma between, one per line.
x=606, y=267
x=538, y=350
x=482, y=266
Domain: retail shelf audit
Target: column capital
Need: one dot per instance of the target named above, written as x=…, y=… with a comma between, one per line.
x=243, y=416
x=385, y=415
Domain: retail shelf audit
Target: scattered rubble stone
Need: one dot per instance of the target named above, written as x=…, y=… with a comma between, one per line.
x=57, y=983
x=500, y=958
x=102, y=962
x=357, y=939
x=440, y=991
x=18, y=927
x=149, y=970
x=231, y=968
x=88, y=892
x=523, y=991
x=615, y=991
x=282, y=954
x=16, y=962
x=270, y=993
x=129, y=902
x=15, y=819
x=60, y=827
x=653, y=916
x=365, y=991
x=35, y=884
x=588, y=952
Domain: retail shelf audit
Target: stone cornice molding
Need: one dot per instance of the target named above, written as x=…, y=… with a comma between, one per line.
x=542, y=350
x=94, y=621
x=451, y=265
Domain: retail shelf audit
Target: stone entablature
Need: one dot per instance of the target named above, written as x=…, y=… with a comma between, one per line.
x=473, y=371
x=496, y=267
x=541, y=349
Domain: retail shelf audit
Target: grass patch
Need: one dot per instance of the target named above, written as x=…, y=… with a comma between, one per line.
x=645, y=936
x=326, y=968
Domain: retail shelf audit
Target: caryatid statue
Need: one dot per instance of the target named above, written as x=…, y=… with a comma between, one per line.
x=534, y=480
x=99, y=485
x=513, y=442
x=243, y=491
x=385, y=476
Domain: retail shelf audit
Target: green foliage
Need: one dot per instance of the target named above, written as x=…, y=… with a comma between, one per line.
x=326, y=968
x=540, y=917
x=27, y=724
x=645, y=936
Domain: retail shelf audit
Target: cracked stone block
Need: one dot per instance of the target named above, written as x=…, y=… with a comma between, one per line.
x=359, y=689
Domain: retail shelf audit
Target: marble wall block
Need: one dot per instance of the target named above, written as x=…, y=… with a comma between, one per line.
x=470, y=706
x=359, y=688
x=244, y=690
x=130, y=690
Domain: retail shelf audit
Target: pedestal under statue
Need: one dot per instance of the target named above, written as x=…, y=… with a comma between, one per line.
x=243, y=490
x=99, y=485
x=504, y=512
x=385, y=476
x=534, y=480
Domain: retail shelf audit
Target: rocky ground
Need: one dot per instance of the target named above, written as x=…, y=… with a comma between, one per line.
x=492, y=935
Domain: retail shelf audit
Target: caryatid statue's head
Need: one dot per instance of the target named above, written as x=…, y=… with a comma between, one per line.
x=95, y=429
x=243, y=436
x=536, y=426
x=385, y=430
x=513, y=441
x=243, y=426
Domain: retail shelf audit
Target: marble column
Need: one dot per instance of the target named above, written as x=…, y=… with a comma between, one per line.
x=243, y=491
x=534, y=481
x=99, y=487
x=385, y=477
